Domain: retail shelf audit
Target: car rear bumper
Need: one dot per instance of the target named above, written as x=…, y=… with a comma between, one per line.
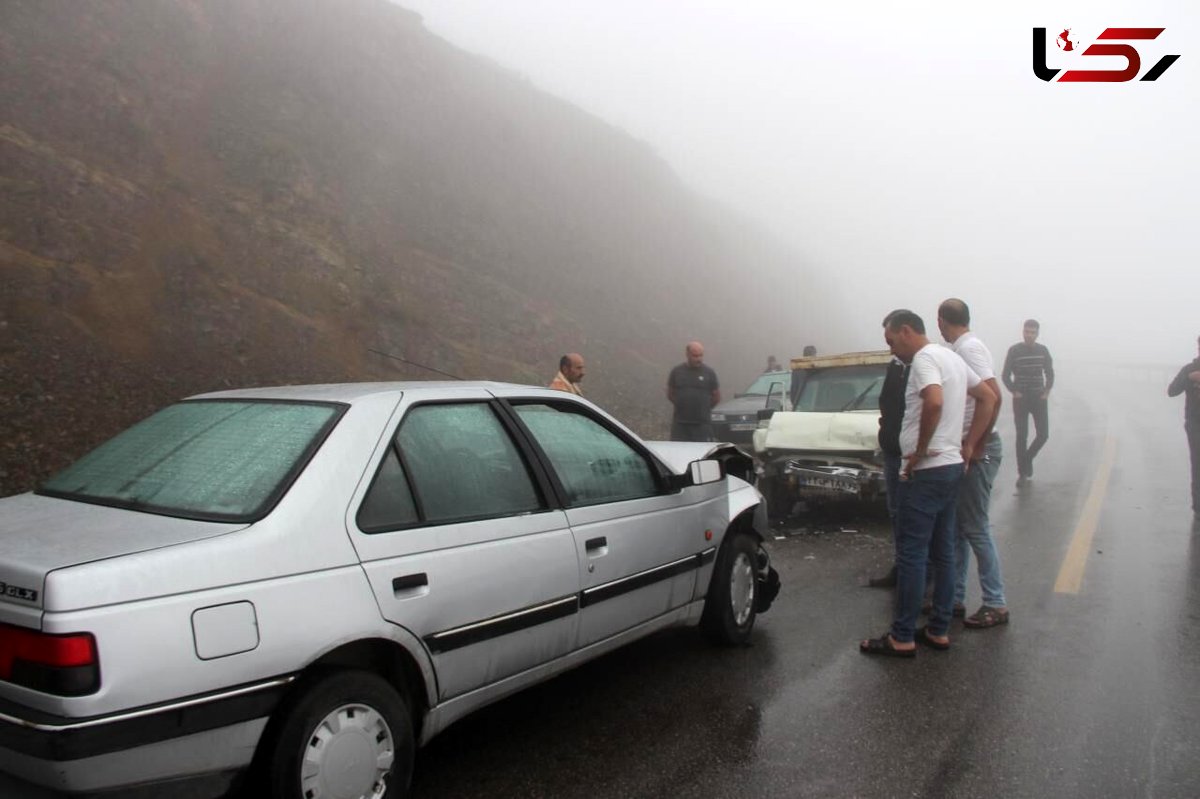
x=198, y=735
x=213, y=752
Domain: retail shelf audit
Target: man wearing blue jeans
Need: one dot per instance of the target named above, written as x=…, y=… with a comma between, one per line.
x=934, y=453
x=974, y=532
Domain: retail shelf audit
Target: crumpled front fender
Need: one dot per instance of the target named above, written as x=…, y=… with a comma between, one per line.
x=747, y=498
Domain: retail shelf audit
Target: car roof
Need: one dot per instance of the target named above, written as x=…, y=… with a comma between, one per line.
x=351, y=392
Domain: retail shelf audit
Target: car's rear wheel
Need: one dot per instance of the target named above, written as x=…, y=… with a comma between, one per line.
x=347, y=736
x=729, y=609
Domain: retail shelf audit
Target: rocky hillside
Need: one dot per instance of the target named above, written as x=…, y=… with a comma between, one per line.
x=197, y=194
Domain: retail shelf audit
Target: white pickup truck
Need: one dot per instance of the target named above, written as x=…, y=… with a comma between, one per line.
x=824, y=447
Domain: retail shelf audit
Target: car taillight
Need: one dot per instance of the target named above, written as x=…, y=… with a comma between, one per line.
x=66, y=665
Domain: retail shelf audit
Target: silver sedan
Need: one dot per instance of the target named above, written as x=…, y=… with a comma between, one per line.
x=304, y=584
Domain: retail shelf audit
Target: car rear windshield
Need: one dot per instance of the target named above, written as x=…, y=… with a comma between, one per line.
x=216, y=460
x=841, y=388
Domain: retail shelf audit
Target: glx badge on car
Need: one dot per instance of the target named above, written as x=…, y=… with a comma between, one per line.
x=17, y=592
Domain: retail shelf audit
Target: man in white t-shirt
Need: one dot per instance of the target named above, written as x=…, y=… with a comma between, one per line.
x=975, y=492
x=933, y=451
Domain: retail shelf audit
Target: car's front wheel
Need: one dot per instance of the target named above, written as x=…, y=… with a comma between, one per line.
x=729, y=609
x=348, y=736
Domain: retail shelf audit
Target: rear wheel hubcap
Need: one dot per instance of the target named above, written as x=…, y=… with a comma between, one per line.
x=348, y=755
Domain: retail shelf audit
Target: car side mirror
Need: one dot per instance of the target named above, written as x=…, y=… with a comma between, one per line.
x=706, y=471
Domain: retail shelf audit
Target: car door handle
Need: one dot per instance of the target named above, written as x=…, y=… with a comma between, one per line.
x=595, y=543
x=410, y=584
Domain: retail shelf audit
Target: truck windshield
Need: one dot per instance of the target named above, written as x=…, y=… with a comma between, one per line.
x=842, y=388
x=215, y=460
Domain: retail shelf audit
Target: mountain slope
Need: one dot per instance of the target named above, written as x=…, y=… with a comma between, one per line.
x=201, y=194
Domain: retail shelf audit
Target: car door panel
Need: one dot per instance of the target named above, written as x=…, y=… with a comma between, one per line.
x=639, y=554
x=492, y=604
x=488, y=597
x=647, y=568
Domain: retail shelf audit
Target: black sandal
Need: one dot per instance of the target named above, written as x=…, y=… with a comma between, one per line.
x=883, y=646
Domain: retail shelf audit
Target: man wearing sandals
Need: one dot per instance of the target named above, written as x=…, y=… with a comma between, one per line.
x=931, y=439
x=975, y=492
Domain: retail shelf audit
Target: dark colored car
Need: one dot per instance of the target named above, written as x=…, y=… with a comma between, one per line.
x=734, y=420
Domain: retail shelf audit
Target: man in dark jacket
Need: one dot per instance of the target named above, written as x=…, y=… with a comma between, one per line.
x=1029, y=375
x=1188, y=380
x=891, y=414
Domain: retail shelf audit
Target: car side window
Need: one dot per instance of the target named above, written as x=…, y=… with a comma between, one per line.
x=593, y=463
x=388, y=504
x=463, y=464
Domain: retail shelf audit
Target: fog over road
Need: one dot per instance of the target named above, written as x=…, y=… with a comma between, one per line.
x=1087, y=694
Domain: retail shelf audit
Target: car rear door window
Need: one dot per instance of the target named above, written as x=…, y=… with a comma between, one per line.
x=389, y=503
x=463, y=464
x=593, y=463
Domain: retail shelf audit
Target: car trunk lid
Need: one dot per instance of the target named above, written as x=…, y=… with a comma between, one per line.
x=40, y=534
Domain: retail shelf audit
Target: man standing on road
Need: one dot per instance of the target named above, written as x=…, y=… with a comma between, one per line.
x=931, y=439
x=891, y=414
x=1029, y=374
x=1188, y=380
x=693, y=389
x=570, y=374
x=975, y=492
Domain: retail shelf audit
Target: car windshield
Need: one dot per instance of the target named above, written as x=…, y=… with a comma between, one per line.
x=842, y=388
x=763, y=383
x=214, y=460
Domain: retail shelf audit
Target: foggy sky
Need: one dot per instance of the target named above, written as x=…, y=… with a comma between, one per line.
x=907, y=151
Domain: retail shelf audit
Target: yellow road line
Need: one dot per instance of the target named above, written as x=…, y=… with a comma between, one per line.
x=1070, y=575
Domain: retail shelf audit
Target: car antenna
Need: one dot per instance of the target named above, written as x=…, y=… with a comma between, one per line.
x=414, y=363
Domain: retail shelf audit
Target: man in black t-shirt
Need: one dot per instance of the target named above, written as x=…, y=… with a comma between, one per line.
x=693, y=389
x=891, y=414
x=1188, y=380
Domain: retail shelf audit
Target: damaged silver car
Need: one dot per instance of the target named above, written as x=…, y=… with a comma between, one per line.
x=310, y=582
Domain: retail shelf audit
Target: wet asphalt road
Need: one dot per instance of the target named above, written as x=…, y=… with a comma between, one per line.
x=1091, y=694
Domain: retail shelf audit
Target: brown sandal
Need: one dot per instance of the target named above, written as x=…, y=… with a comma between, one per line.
x=986, y=617
x=883, y=646
x=923, y=636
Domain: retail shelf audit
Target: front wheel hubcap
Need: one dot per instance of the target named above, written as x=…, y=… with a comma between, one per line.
x=741, y=588
x=348, y=755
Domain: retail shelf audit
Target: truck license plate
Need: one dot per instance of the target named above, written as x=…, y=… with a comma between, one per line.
x=830, y=484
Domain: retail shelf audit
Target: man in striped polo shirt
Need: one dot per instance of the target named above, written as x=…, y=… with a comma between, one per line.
x=1029, y=375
